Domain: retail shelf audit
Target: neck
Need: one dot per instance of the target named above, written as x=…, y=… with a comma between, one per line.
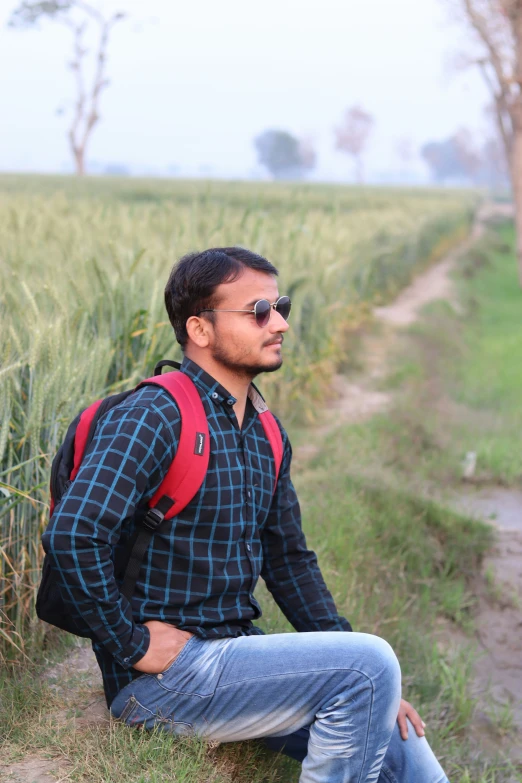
x=235, y=383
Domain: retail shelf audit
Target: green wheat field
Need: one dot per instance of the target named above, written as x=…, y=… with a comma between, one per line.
x=83, y=265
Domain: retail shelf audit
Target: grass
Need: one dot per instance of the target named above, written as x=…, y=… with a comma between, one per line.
x=465, y=367
x=398, y=564
x=490, y=379
x=394, y=563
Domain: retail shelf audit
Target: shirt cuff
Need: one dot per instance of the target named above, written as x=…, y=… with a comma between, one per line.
x=341, y=624
x=136, y=649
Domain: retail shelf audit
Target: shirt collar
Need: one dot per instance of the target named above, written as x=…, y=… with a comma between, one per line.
x=215, y=391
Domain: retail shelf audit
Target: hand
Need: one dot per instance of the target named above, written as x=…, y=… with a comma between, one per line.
x=166, y=643
x=407, y=711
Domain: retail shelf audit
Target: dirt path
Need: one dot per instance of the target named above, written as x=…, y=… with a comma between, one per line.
x=358, y=399
x=435, y=283
x=498, y=669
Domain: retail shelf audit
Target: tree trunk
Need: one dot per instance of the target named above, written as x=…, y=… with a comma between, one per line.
x=516, y=178
x=516, y=121
x=79, y=160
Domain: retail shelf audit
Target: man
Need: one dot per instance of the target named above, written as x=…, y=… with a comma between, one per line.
x=186, y=655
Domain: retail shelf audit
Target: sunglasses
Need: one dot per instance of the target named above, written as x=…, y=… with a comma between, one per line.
x=262, y=310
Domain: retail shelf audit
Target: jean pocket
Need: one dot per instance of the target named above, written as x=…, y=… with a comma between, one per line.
x=135, y=714
x=129, y=712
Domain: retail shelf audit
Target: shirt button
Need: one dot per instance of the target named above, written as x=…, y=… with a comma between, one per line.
x=126, y=660
x=215, y=395
x=248, y=547
x=249, y=494
x=230, y=402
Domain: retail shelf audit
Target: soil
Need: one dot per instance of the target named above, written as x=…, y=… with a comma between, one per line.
x=31, y=770
x=498, y=669
x=498, y=673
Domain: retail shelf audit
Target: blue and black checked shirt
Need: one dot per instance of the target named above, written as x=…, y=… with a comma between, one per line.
x=201, y=568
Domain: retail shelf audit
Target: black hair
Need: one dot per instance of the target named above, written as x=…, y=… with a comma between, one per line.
x=192, y=284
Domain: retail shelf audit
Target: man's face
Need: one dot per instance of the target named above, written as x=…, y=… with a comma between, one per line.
x=237, y=341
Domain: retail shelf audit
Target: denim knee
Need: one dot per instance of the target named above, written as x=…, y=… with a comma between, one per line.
x=381, y=665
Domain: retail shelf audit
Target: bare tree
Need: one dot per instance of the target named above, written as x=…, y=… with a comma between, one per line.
x=352, y=136
x=497, y=28
x=79, y=16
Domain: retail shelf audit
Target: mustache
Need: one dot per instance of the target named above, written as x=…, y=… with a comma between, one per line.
x=278, y=341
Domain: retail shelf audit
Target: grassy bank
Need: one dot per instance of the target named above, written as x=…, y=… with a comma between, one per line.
x=459, y=374
x=395, y=565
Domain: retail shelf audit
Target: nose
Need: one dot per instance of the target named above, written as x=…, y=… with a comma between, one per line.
x=277, y=323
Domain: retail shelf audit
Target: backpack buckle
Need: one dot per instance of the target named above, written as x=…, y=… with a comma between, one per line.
x=153, y=519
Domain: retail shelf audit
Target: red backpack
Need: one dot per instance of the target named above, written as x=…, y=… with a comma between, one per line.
x=181, y=483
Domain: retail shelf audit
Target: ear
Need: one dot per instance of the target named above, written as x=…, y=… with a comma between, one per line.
x=199, y=331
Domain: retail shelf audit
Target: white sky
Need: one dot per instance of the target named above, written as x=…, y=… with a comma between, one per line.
x=192, y=83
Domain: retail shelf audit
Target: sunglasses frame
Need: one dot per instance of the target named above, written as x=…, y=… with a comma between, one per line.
x=272, y=306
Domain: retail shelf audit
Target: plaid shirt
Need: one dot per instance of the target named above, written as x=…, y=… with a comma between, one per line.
x=201, y=568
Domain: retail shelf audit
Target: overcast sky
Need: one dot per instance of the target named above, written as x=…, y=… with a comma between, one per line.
x=192, y=83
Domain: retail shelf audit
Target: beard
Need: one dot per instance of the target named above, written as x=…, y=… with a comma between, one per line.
x=241, y=365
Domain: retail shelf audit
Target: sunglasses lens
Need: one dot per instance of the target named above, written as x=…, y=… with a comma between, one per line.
x=262, y=310
x=283, y=307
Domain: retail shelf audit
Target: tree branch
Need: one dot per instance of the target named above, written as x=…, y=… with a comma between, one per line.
x=501, y=109
x=99, y=82
x=480, y=25
x=77, y=67
x=498, y=83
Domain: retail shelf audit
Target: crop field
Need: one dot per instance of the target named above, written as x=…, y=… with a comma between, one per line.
x=83, y=265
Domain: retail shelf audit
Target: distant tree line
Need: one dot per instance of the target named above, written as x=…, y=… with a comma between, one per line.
x=495, y=161
x=458, y=159
x=287, y=157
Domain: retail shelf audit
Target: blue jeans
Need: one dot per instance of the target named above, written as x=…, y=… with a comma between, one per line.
x=333, y=697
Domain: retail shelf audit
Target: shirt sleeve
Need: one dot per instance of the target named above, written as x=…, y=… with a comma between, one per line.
x=125, y=463
x=290, y=569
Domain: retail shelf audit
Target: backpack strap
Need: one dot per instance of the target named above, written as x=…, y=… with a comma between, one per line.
x=82, y=435
x=273, y=434
x=189, y=467
x=185, y=475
